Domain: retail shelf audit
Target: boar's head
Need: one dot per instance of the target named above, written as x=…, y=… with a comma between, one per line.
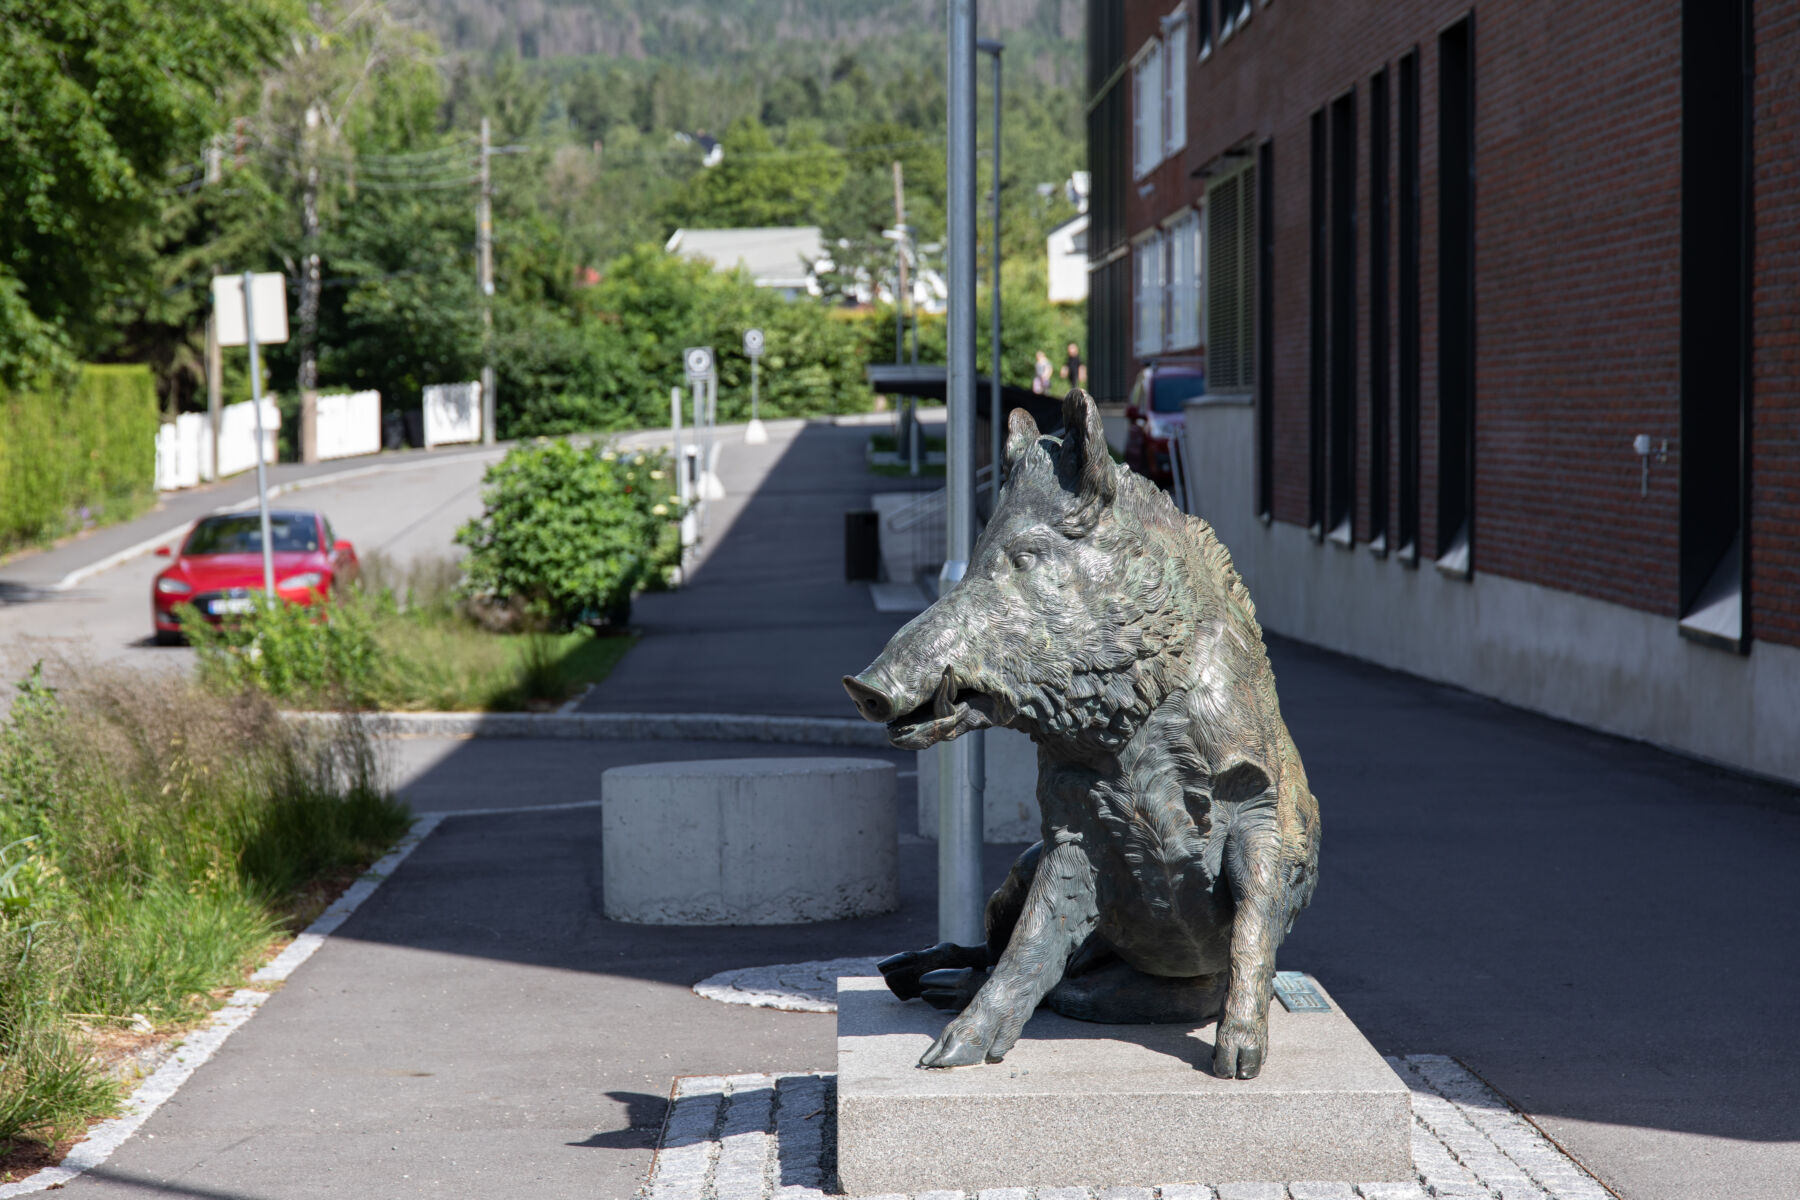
x=1076, y=615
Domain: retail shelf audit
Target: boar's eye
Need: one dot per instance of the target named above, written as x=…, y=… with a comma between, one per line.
x=1023, y=560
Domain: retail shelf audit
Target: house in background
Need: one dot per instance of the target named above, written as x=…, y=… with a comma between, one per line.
x=1499, y=319
x=786, y=259
x=1066, y=248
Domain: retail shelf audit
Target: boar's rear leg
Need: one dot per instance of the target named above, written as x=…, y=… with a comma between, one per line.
x=947, y=975
x=1057, y=916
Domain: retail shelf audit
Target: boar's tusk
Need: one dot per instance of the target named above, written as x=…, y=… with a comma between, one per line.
x=943, y=701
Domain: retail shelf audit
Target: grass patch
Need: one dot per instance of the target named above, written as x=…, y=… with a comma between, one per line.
x=402, y=641
x=154, y=840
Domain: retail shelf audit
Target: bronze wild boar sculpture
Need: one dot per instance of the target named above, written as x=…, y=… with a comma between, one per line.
x=1179, y=837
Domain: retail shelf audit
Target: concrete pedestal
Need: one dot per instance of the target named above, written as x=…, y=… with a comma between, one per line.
x=1078, y=1104
x=749, y=841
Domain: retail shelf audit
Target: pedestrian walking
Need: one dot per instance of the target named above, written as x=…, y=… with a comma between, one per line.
x=1073, y=370
x=1040, y=374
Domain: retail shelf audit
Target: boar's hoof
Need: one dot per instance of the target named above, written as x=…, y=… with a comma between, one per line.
x=903, y=972
x=964, y=1043
x=951, y=988
x=1239, y=1049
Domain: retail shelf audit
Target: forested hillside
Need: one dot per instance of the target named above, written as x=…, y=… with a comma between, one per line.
x=337, y=141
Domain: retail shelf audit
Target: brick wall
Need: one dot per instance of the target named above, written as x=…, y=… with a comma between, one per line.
x=1577, y=264
x=1577, y=272
x=1775, y=369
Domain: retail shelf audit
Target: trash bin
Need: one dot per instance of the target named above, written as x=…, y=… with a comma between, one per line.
x=862, y=545
x=393, y=430
x=413, y=420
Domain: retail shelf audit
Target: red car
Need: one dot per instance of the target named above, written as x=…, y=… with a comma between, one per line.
x=218, y=568
x=1157, y=412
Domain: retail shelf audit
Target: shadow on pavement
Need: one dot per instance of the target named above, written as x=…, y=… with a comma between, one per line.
x=1601, y=930
x=767, y=622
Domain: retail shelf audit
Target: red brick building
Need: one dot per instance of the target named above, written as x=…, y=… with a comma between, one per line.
x=1501, y=314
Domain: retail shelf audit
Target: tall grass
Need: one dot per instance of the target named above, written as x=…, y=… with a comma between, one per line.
x=156, y=838
x=402, y=639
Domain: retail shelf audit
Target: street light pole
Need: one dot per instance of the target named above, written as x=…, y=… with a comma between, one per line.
x=262, y=478
x=484, y=271
x=962, y=763
x=993, y=49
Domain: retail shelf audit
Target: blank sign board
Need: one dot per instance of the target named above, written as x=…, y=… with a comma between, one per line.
x=268, y=296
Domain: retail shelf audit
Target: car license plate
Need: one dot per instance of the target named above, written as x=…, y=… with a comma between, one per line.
x=231, y=604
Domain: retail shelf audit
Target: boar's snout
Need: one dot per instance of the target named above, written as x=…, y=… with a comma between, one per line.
x=873, y=703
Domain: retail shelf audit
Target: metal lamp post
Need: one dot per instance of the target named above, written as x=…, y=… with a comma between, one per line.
x=962, y=764
x=994, y=49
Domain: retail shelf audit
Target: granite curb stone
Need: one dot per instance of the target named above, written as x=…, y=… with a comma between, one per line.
x=625, y=727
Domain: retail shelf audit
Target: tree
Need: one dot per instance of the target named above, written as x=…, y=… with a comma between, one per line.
x=102, y=98
x=760, y=183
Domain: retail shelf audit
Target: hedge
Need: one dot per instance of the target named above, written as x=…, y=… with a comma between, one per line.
x=77, y=455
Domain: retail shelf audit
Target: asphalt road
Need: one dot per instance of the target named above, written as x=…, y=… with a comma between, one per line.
x=404, y=507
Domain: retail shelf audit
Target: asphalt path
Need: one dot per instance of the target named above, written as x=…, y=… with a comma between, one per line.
x=405, y=508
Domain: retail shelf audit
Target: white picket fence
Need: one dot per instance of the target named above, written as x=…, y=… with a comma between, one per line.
x=452, y=413
x=184, y=446
x=348, y=424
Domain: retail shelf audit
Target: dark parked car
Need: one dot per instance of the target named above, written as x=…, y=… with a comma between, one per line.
x=1157, y=412
x=218, y=567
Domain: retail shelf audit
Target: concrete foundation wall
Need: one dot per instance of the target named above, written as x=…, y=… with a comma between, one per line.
x=1603, y=665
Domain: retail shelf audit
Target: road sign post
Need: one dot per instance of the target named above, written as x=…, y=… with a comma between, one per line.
x=262, y=299
x=754, y=433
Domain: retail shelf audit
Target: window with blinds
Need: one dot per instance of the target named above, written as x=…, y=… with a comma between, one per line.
x=1175, y=42
x=1231, y=282
x=1183, y=303
x=1147, y=285
x=1148, y=100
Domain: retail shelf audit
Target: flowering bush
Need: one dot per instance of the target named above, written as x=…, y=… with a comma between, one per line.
x=568, y=533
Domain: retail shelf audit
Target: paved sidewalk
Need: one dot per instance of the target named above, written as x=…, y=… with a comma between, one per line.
x=44, y=568
x=766, y=623
x=1603, y=932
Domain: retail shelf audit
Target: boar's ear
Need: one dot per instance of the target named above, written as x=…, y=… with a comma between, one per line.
x=1021, y=437
x=1087, y=466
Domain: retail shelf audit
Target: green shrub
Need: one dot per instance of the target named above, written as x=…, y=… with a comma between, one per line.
x=612, y=364
x=76, y=455
x=567, y=534
x=156, y=838
x=396, y=645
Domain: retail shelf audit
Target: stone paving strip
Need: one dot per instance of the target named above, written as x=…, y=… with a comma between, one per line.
x=773, y=1137
x=615, y=727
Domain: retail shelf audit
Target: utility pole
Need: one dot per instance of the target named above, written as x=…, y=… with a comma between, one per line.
x=262, y=478
x=962, y=764
x=484, y=281
x=215, y=398
x=990, y=47
x=307, y=380
x=902, y=293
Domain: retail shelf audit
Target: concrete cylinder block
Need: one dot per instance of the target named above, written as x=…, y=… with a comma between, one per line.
x=749, y=841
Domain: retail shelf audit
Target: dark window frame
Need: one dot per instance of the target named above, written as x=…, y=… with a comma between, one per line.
x=1409, y=297
x=1380, y=233
x=1340, y=400
x=1316, y=332
x=1455, y=542
x=1265, y=324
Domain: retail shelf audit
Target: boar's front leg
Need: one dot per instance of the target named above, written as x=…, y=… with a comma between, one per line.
x=1252, y=867
x=1058, y=914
